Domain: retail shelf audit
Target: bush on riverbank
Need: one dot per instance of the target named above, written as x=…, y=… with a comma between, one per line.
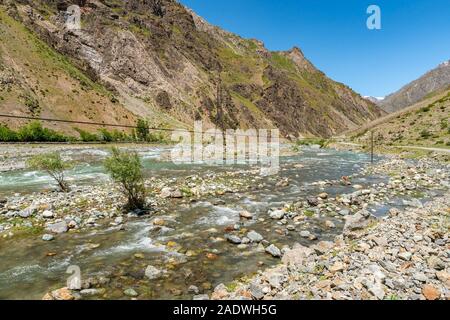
x=125, y=169
x=313, y=141
x=53, y=165
x=35, y=132
x=32, y=132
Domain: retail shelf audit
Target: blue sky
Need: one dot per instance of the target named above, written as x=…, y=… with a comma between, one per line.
x=415, y=35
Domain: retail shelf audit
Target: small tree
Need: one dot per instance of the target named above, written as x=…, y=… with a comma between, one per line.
x=142, y=130
x=53, y=165
x=125, y=168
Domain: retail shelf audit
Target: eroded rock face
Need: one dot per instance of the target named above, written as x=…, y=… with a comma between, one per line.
x=158, y=56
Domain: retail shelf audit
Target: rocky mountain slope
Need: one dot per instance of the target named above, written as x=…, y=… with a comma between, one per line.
x=163, y=62
x=427, y=124
x=417, y=90
x=36, y=81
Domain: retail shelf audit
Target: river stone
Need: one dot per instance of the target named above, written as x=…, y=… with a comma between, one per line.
x=430, y=292
x=201, y=297
x=255, y=237
x=323, y=247
x=377, y=290
x=130, y=292
x=47, y=214
x=329, y=224
x=256, y=291
x=312, y=201
x=297, y=256
x=48, y=237
x=233, y=239
x=405, y=255
x=193, y=289
x=305, y=234
x=436, y=263
x=358, y=221
x=177, y=194
x=274, y=251
x=28, y=212
x=419, y=276
x=277, y=214
x=323, y=195
x=344, y=212
x=153, y=273
x=92, y=292
x=245, y=214
x=62, y=294
x=165, y=193
x=58, y=227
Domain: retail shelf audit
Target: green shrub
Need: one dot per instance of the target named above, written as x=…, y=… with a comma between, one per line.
x=105, y=135
x=53, y=165
x=142, y=130
x=114, y=136
x=86, y=136
x=425, y=134
x=125, y=169
x=425, y=109
x=312, y=141
x=7, y=135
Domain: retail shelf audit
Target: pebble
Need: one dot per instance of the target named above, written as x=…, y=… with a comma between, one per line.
x=131, y=292
x=153, y=273
x=58, y=227
x=245, y=215
x=405, y=255
x=48, y=237
x=274, y=251
x=233, y=239
x=255, y=237
x=277, y=214
x=47, y=214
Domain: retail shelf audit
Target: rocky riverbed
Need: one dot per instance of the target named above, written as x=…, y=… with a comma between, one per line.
x=403, y=255
x=210, y=226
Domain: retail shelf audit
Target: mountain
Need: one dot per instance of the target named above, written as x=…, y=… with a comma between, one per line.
x=375, y=100
x=426, y=123
x=37, y=81
x=161, y=61
x=413, y=92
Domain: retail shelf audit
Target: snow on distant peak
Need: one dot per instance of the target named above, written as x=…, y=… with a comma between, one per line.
x=374, y=98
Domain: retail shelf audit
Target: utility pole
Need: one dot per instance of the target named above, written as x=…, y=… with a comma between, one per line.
x=220, y=113
x=371, y=146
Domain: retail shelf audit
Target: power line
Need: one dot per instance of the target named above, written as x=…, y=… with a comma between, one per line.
x=105, y=124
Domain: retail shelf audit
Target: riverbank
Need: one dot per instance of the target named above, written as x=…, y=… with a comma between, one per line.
x=404, y=255
x=209, y=225
x=441, y=155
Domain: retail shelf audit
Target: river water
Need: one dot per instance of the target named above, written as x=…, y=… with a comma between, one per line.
x=28, y=272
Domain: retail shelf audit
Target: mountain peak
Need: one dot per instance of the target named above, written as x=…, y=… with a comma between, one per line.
x=445, y=63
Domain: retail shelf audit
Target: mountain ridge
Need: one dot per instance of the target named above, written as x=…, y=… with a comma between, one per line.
x=413, y=92
x=165, y=63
